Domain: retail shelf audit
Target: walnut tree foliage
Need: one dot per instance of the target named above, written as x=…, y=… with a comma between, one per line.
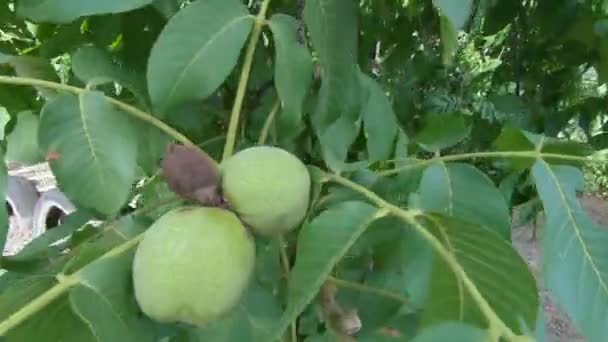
x=423, y=124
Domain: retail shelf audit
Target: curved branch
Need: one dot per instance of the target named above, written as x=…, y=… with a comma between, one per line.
x=64, y=284
x=410, y=217
x=369, y=289
x=138, y=113
x=532, y=154
x=268, y=123
x=285, y=263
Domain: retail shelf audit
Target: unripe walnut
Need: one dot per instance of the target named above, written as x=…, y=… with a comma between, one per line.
x=268, y=187
x=192, y=265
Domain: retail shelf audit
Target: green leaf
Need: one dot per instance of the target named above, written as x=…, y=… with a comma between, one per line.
x=599, y=141
x=15, y=98
x=510, y=105
x=4, y=224
x=401, y=149
x=508, y=185
x=22, y=142
x=575, y=258
x=603, y=60
x=402, y=327
x=167, y=8
x=93, y=65
x=453, y=332
x=64, y=11
x=254, y=317
x=5, y=14
x=379, y=121
x=5, y=117
x=33, y=67
x=4, y=58
x=454, y=14
x=155, y=192
x=565, y=147
x=513, y=139
x=336, y=141
x=458, y=189
x=63, y=325
x=94, y=149
x=401, y=266
x=66, y=39
x=268, y=270
x=293, y=74
x=333, y=32
x=111, y=236
x=196, y=51
x=449, y=39
x=103, y=300
x=338, y=228
x=397, y=189
x=491, y=265
x=261, y=73
x=457, y=11
x=442, y=131
x=20, y=292
x=55, y=322
x=151, y=146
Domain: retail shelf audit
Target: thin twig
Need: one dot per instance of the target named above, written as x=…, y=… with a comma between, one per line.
x=65, y=282
x=286, y=269
x=269, y=121
x=233, y=125
x=492, y=154
x=497, y=325
x=369, y=289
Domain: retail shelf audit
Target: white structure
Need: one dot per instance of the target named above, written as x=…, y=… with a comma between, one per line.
x=33, y=200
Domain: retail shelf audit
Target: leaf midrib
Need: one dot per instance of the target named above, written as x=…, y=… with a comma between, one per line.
x=576, y=228
x=459, y=282
x=449, y=189
x=89, y=139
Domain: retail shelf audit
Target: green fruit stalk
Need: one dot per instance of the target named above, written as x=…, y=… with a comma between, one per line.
x=193, y=265
x=268, y=187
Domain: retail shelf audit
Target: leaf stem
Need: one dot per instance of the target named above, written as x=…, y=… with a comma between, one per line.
x=244, y=78
x=268, y=122
x=64, y=284
x=491, y=154
x=140, y=114
x=285, y=264
x=410, y=217
x=369, y=289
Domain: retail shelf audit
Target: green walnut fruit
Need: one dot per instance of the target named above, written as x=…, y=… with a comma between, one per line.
x=268, y=187
x=192, y=265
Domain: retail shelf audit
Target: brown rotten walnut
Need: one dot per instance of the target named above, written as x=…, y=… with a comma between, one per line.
x=192, y=174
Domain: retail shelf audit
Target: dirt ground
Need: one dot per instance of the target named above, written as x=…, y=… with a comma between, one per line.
x=559, y=326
